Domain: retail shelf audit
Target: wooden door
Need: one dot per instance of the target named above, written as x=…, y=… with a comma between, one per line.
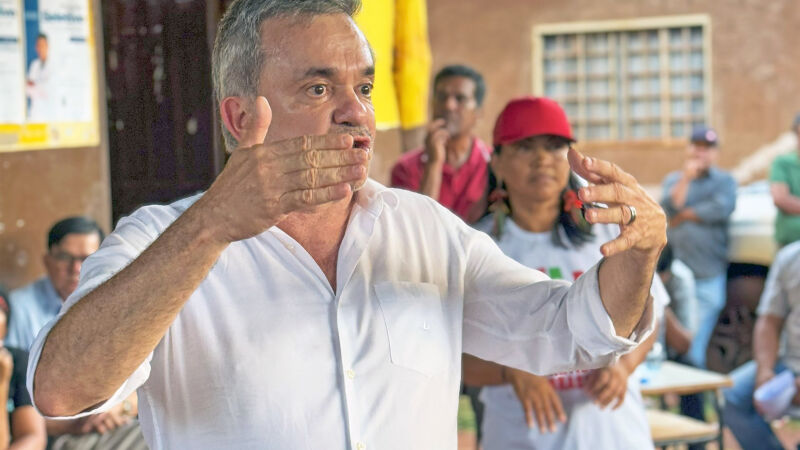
x=162, y=137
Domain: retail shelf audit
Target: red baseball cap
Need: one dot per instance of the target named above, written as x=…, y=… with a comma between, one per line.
x=531, y=116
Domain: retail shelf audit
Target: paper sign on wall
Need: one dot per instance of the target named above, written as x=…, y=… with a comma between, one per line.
x=48, y=79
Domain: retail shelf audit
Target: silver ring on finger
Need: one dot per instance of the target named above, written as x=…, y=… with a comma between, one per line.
x=632, y=209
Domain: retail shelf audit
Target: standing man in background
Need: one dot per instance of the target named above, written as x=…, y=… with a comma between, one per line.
x=784, y=178
x=452, y=167
x=397, y=30
x=699, y=200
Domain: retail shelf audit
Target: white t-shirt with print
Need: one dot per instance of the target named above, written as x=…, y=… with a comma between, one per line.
x=588, y=426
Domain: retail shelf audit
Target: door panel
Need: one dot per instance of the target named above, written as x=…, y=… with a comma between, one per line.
x=160, y=107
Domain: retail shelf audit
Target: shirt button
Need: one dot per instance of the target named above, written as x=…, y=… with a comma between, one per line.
x=350, y=374
x=361, y=446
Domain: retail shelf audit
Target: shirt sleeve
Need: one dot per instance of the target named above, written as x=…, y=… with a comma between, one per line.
x=518, y=317
x=682, y=294
x=21, y=396
x=774, y=299
x=720, y=205
x=777, y=172
x=666, y=198
x=130, y=238
x=412, y=63
x=660, y=295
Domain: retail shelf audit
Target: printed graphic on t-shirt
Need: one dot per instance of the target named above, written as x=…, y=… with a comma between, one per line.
x=567, y=380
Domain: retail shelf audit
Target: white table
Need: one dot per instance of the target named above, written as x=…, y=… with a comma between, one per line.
x=680, y=379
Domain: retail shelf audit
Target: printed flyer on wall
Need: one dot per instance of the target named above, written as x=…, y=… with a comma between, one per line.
x=51, y=80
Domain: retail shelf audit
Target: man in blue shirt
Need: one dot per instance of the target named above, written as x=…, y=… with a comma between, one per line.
x=69, y=242
x=699, y=200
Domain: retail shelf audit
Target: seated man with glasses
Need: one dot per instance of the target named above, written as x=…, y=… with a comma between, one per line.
x=69, y=242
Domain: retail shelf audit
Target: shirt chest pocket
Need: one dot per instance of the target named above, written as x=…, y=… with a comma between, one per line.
x=416, y=326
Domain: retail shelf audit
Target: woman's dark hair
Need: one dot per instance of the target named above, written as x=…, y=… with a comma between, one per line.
x=5, y=306
x=665, y=260
x=576, y=233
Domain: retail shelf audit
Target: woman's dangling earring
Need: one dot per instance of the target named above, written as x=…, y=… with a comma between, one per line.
x=498, y=206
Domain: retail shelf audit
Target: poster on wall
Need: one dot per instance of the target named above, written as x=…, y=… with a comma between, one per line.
x=12, y=71
x=52, y=89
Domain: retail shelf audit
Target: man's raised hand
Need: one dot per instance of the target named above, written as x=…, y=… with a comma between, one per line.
x=644, y=231
x=262, y=183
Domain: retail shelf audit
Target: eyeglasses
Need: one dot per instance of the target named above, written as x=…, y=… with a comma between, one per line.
x=67, y=259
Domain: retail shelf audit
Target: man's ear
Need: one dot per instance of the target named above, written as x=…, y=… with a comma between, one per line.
x=246, y=119
x=233, y=111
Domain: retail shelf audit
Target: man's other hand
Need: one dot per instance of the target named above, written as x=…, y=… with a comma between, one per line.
x=646, y=232
x=263, y=183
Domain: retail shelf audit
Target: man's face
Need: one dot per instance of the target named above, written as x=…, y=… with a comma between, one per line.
x=454, y=101
x=41, y=48
x=318, y=77
x=703, y=154
x=63, y=261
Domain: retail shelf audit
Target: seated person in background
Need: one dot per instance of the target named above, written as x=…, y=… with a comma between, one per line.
x=541, y=225
x=680, y=318
x=778, y=312
x=452, y=166
x=69, y=242
x=784, y=178
x=23, y=427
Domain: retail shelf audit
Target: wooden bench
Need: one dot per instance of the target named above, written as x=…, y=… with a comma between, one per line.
x=670, y=429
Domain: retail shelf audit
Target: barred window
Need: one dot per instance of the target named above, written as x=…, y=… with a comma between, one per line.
x=643, y=79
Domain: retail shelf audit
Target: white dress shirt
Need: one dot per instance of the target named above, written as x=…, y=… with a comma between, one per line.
x=265, y=354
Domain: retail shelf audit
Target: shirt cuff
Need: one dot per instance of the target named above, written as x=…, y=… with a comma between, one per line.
x=591, y=325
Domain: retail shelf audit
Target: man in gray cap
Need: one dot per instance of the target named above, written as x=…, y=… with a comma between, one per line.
x=784, y=179
x=698, y=201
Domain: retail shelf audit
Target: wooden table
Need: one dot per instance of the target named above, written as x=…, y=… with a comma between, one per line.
x=680, y=379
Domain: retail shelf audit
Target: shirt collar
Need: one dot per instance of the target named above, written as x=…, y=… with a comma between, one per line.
x=373, y=195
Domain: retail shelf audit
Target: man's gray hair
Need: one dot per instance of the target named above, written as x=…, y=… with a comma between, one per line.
x=237, y=58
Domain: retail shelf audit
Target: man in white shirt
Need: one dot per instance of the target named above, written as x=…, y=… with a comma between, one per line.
x=297, y=304
x=37, y=85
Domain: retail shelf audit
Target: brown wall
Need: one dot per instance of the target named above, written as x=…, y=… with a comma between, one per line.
x=39, y=187
x=755, y=63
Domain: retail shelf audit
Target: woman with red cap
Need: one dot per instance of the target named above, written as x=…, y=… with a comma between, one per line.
x=537, y=218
